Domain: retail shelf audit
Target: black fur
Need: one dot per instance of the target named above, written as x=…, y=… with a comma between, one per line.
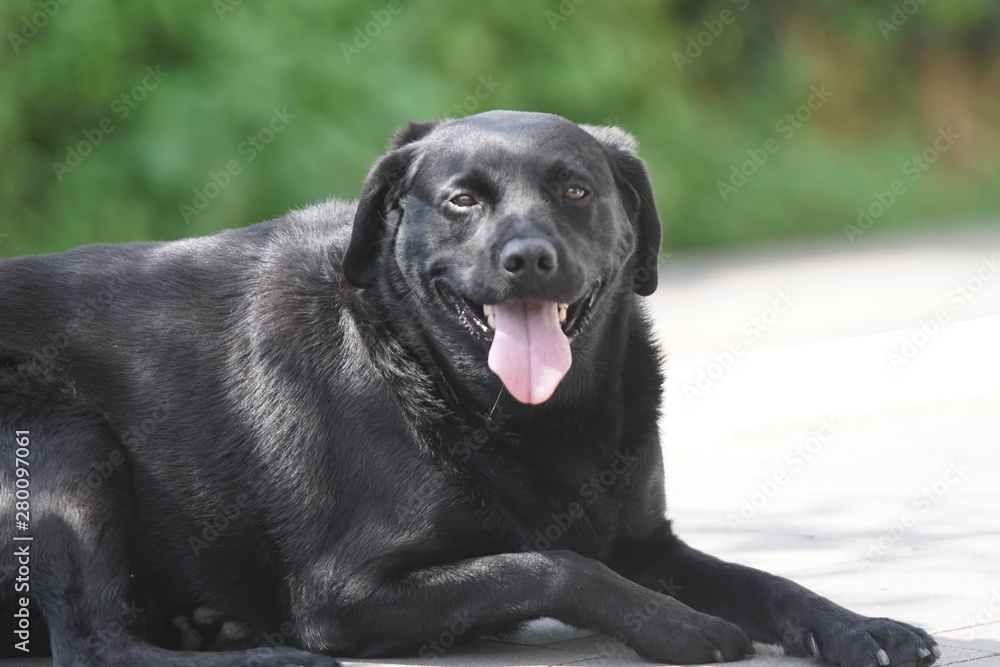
x=286, y=436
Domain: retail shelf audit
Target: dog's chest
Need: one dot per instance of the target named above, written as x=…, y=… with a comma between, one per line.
x=574, y=505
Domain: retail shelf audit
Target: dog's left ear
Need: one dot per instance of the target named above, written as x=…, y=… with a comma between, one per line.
x=637, y=195
x=381, y=193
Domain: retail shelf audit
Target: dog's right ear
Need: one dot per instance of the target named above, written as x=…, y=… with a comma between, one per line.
x=381, y=193
x=637, y=192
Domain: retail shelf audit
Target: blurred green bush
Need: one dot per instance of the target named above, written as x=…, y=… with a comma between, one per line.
x=171, y=118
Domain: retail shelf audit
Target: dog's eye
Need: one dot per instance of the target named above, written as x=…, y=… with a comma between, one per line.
x=574, y=192
x=464, y=200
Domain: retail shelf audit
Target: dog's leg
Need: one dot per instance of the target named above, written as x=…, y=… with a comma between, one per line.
x=431, y=608
x=772, y=609
x=74, y=532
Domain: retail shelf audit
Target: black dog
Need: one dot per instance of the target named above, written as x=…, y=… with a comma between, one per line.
x=374, y=428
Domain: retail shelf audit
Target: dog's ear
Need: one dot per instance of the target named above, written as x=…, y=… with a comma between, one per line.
x=413, y=132
x=381, y=192
x=637, y=195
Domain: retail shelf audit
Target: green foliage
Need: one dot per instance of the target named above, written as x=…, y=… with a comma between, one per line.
x=242, y=110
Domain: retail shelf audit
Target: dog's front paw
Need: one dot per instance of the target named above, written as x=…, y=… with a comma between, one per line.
x=866, y=642
x=676, y=634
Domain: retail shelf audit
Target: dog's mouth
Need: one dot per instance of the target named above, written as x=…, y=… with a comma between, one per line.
x=528, y=339
x=480, y=318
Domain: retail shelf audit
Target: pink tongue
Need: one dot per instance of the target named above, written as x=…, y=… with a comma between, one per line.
x=530, y=352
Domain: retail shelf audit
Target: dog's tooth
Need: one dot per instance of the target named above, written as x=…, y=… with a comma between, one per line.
x=488, y=310
x=491, y=320
x=562, y=312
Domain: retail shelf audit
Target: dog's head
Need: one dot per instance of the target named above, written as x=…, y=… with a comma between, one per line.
x=512, y=233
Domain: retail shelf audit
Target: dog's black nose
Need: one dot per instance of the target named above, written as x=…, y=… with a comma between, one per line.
x=529, y=258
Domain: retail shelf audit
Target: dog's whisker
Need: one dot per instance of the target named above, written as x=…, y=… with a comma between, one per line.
x=401, y=300
x=495, y=404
